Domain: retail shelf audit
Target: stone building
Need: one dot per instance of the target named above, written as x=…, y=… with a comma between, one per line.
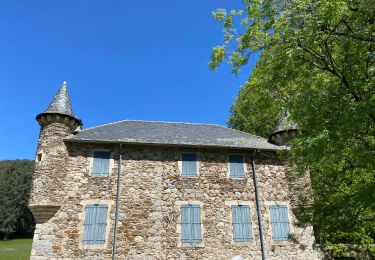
x=159, y=190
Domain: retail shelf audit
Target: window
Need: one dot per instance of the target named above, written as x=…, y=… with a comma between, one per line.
x=236, y=166
x=39, y=157
x=242, y=228
x=191, y=224
x=189, y=164
x=95, y=224
x=100, y=165
x=279, y=222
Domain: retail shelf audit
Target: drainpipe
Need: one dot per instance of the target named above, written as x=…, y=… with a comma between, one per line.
x=117, y=202
x=262, y=244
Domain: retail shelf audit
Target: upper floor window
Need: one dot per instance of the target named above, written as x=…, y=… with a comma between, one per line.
x=189, y=164
x=236, y=166
x=100, y=166
x=191, y=224
x=242, y=228
x=279, y=222
x=95, y=224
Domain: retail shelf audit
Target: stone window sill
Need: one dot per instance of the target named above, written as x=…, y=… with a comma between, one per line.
x=201, y=244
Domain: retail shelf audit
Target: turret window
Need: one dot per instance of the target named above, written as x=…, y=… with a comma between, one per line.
x=39, y=157
x=101, y=162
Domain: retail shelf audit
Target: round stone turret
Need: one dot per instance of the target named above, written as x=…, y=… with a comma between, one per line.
x=57, y=122
x=285, y=130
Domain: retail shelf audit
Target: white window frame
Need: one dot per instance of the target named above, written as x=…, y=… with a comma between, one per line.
x=111, y=162
x=178, y=205
x=244, y=167
x=180, y=164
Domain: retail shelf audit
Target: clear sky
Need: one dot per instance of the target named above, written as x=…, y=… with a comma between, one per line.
x=142, y=60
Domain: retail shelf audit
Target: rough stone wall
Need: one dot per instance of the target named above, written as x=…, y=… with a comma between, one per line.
x=48, y=171
x=59, y=237
x=151, y=189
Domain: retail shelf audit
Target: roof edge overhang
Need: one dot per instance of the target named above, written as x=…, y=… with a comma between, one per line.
x=279, y=148
x=77, y=120
x=282, y=131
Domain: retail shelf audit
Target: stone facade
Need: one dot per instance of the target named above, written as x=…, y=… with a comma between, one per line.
x=151, y=191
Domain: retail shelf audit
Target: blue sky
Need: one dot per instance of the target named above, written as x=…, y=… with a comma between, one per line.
x=142, y=60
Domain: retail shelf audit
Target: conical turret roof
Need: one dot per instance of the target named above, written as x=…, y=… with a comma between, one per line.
x=284, y=130
x=285, y=123
x=61, y=104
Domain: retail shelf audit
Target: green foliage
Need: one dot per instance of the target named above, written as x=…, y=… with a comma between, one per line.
x=318, y=61
x=257, y=109
x=15, y=185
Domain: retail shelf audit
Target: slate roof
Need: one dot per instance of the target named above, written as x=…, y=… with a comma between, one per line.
x=285, y=123
x=61, y=104
x=168, y=133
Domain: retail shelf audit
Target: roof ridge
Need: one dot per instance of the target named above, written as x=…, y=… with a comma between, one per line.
x=154, y=121
x=244, y=132
x=103, y=125
x=168, y=122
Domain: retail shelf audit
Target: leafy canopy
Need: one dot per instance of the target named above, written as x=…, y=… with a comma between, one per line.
x=317, y=61
x=15, y=186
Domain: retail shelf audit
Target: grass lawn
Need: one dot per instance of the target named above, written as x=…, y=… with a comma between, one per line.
x=17, y=249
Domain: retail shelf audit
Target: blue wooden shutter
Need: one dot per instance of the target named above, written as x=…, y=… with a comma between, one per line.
x=279, y=221
x=101, y=224
x=242, y=228
x=189, y=164
x=101, y=164
x=95, y=224
x=185, y=225
x=190, y=224
x=89, y=226
x=196, y=224
x=236, y=166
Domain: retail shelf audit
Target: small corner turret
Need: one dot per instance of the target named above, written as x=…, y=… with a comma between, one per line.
x=285, y=130
x=57, y=122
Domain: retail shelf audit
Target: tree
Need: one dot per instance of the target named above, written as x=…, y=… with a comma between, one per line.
x=15, y=185
x=317, y=61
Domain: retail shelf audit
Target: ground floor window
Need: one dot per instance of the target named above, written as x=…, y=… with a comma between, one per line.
x=191, y=224
x=95, y=224
x=279, y=222
x=241, y=223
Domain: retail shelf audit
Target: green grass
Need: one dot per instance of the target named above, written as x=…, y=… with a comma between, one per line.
x=17, y=249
